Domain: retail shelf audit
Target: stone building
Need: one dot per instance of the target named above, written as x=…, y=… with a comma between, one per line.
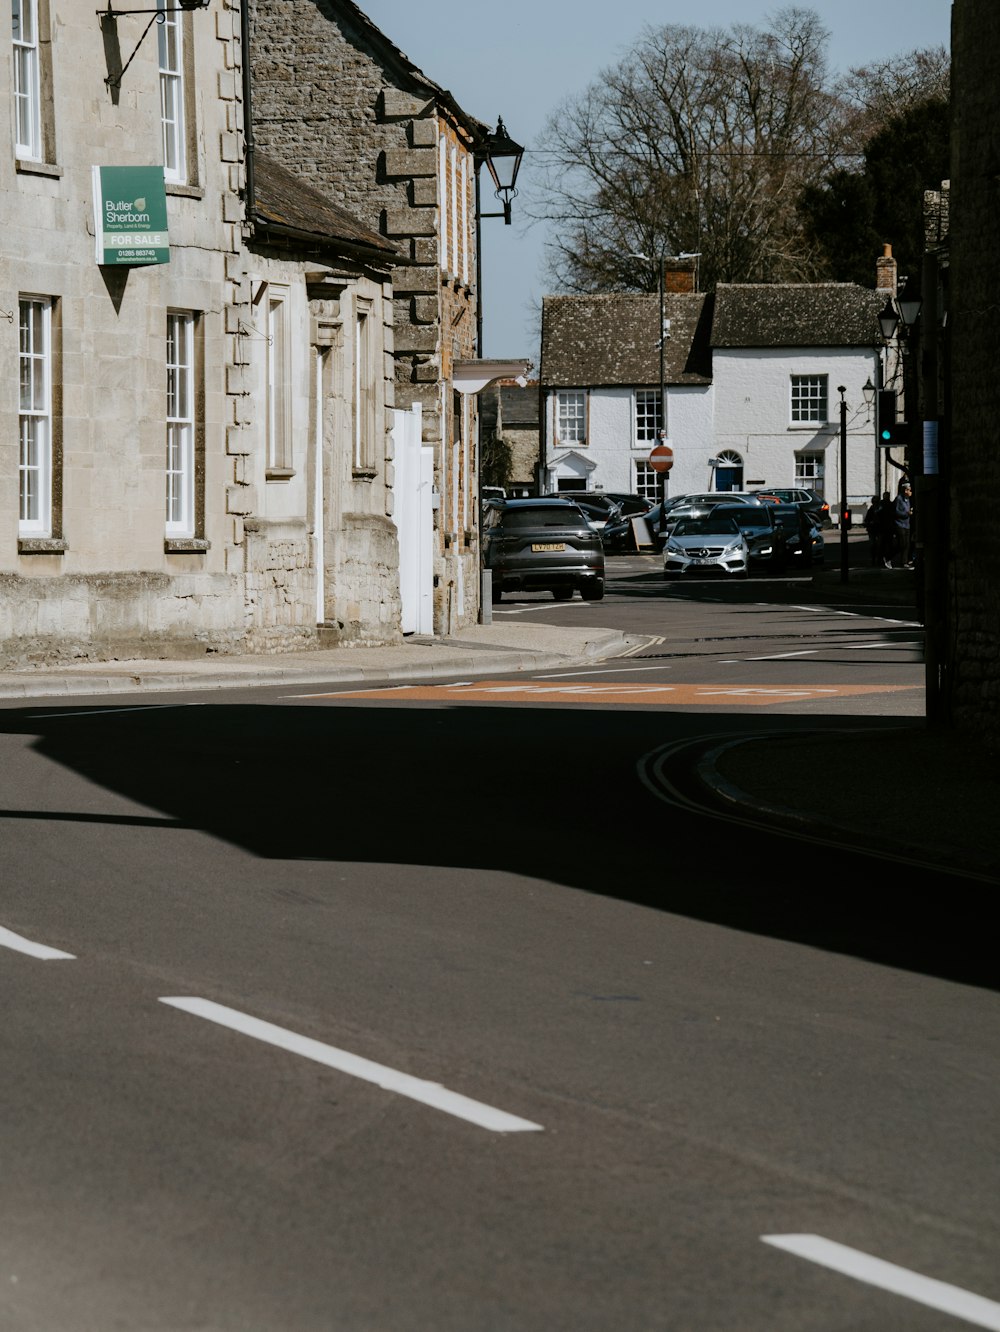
x=314, y=345
x=340, y=105
x=970, y=443
x=174, y=353
x=114, y=386
x=509, y=411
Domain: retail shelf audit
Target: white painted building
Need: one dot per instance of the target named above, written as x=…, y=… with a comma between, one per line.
x=751, y=378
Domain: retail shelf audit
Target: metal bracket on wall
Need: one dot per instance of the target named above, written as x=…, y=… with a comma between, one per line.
x=109, y=16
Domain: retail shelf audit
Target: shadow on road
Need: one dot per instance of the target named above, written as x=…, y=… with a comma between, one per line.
x=542, y=792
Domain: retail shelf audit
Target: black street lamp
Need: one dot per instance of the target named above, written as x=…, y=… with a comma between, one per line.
x=501, y=156
x=661, y=434
x=845, y=515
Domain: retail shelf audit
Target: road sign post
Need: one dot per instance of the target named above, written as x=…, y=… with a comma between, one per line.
x=661, y=459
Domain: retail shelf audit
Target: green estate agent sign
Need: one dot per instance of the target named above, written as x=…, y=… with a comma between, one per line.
x=130, y=215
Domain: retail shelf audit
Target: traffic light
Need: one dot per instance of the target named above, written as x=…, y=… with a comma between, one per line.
x=896, y=435
x=886, y=416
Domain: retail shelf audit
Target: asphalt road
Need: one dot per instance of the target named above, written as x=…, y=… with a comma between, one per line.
x=455, y=1010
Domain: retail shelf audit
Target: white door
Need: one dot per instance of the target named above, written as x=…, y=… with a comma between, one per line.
x=414, y=521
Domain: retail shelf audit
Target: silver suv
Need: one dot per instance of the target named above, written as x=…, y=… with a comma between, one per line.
x=542, y=545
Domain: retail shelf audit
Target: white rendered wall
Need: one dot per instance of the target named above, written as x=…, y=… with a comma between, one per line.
x=753, y=416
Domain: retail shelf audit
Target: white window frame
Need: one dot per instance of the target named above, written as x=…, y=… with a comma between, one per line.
x=278, y=372
x=443, y=204
x=648, y=483
x=180, y=424
x=170, y=48
x=648, y=416
x=35, y=416
x=809, y=400
x=27, y=88
x=465, y=218
x=364, y=389
x=571, y=417
x=809, y=470
x=454, y=211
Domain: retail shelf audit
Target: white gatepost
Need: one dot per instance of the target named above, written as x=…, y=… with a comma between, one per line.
x=414, y=518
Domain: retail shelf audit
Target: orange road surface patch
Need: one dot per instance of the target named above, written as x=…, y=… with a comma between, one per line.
x=530, y=691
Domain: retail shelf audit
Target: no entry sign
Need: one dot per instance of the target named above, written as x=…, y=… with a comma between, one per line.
x=661, y=459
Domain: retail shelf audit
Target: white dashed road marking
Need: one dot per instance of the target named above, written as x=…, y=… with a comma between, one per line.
x=8, y=939
x=389, y=1079
x=887, y=1276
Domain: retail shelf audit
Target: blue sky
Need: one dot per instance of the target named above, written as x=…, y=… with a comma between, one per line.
x=522, y=58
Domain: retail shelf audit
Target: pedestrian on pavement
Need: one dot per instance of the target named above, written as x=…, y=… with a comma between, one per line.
x=886, y=529
x=872, y=527
x=903, y=509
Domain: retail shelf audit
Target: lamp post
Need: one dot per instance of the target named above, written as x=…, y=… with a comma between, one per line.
x=501, y=156
x=661, y=434
x=844, y=513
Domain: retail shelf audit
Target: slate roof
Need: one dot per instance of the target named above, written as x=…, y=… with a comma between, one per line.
x=285, y=203
x=591, y=341
x=820, y=314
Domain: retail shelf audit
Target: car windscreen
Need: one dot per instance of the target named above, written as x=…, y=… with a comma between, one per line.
x=788, y=518
x=543, y=515
x=750, y=517
x=705, y=527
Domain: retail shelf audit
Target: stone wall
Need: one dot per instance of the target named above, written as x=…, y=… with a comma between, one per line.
x=974, y=393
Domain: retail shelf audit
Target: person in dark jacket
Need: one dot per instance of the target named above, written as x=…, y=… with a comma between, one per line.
x=872, y=527
x=902, y=511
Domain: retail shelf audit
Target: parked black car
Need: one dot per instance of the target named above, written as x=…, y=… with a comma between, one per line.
x=804, y=542
x=815, y=505
x=765, y=539
x=598, y=506
x=630, y=505
x=542, y=545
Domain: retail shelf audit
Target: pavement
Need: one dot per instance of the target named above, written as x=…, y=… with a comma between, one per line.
x=912, y=792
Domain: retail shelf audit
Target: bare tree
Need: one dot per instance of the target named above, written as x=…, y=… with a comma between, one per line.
x=886, y=89
x=698, y=141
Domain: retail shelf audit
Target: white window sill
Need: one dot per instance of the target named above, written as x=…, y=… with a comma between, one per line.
x=27, y=166
x=39, y=545
x=186, y=545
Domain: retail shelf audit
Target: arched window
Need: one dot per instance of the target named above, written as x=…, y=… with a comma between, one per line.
x=729, y=471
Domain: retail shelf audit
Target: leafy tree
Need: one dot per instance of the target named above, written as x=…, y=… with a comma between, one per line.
x=498, y=462
x=849, y=216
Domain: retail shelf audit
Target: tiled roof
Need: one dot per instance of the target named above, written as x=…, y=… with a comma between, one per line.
x=822, y=314
x=613, y=340
x=283, y=201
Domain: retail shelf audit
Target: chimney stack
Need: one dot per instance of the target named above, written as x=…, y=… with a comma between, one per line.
x=680, y=276
x=885, y=271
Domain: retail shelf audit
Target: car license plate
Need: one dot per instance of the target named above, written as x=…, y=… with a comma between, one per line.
x=549, y=545
x=701, y=561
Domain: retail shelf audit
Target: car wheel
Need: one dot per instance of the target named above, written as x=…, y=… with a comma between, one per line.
x=563, y=593
x=593, y=591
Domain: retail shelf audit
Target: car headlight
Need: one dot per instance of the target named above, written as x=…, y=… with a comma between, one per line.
x=673, y=549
